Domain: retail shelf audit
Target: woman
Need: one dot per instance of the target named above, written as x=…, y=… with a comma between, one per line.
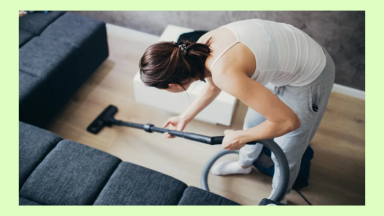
x=240, y=58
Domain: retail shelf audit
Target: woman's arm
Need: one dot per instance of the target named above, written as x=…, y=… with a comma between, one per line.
x=206, y=96
x=280, y=119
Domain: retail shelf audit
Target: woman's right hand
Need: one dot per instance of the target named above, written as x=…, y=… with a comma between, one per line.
x=175, y=123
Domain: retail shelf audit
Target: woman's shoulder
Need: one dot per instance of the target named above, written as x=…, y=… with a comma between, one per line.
x=238, y=59
x=220, y=39
x=227, y=53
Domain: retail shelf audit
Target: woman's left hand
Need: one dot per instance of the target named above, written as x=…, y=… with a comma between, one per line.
x=231, y=140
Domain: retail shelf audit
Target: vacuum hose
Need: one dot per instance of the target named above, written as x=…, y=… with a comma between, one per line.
x=281, y=160
x=270, y=144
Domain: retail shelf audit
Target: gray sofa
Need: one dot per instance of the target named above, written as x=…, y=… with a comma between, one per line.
x=58, y=51
x=54, y=171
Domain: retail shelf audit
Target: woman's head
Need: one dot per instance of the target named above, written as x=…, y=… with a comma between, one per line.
x=174, y=66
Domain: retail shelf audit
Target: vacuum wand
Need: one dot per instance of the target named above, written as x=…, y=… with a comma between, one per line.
x=191, y=136
x=106, y=118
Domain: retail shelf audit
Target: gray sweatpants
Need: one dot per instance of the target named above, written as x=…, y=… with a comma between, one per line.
x=303, y=100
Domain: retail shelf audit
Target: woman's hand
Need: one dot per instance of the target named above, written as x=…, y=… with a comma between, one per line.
x=175, y=123
x=232, y=140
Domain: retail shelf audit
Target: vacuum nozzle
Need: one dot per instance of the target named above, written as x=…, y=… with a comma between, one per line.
x=106, y=118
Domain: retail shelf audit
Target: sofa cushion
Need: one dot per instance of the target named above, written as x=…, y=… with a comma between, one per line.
x=24, y=37
x=197, y=196
x=36, y=22
x=135, y=185
x=86, y=34
x=56, y=66
x=23, y=201
x=34, y=145
x=73, y=29
x=71, y=174
x=47, y=58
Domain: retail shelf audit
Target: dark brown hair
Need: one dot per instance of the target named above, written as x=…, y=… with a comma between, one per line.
x=164, y=63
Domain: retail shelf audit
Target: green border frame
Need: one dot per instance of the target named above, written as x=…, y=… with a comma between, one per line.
x=9, y=106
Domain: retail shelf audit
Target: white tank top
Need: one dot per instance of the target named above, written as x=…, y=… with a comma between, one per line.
x=285, y=55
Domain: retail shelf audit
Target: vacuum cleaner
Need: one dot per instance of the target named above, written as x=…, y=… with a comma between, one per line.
x=106, y=118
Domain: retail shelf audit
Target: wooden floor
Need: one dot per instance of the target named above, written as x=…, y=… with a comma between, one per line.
x=338, y=168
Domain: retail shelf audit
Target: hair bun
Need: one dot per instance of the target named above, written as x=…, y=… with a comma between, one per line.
x=163, y=63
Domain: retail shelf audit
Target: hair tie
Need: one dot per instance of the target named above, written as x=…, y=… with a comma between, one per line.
x=183, y=48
